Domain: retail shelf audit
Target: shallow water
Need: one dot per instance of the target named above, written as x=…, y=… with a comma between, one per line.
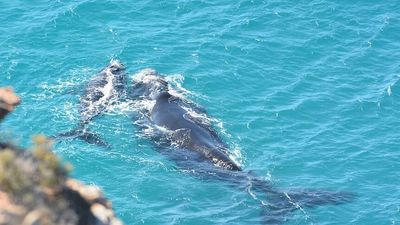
x=306, y=94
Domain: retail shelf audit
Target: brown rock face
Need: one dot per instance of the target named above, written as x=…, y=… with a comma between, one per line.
x=100, y=207
x=8, y=101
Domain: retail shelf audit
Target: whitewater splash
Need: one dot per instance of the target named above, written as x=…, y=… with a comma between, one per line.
x=102, y=91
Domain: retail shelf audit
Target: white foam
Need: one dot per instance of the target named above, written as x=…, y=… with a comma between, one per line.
x=389, y=90
x=108, y=90
x=175, y=82
x=146, y=75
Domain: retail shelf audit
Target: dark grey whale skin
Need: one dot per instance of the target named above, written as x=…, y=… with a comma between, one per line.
x=196, y=146
x=168, y=113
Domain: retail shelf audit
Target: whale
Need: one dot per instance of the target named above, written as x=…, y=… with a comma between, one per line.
x=195, y=145
x=100, y=92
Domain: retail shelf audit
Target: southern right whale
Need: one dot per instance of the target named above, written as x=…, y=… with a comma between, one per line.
x=196, y=146
x=101, y=91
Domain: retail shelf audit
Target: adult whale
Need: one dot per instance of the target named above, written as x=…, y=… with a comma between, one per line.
x=101, y=91
x=195, y=145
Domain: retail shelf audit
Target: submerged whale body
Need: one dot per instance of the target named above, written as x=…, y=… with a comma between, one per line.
x=100, y=92
x=194, y=144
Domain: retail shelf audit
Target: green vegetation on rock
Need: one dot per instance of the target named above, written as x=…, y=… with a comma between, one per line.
x=35, y=188
x=22, y=171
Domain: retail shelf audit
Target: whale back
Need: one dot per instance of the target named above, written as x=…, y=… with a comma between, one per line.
x=173, y=116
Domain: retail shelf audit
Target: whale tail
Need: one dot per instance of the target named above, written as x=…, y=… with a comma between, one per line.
x=83, y=133
x=280, y=204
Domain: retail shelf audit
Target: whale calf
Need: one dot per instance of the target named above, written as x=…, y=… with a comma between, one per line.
x=101, y=91
x=195, y=145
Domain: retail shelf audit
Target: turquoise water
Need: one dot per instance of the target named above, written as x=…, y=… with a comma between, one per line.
x=305, y=93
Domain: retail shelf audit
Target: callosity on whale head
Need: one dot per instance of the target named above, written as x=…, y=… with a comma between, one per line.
x=148, y=84
x=116, y=66
x=115, y=72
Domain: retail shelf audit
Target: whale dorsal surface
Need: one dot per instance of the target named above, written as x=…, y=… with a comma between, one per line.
x=196, y=146
x=200, y=141
x=169, y=113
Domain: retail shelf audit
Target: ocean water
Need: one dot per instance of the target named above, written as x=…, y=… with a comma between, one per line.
x=306, y=94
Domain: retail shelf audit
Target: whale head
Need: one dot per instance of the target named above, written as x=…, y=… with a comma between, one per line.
x=116, y=76
x=116, y=66
x=148, y=84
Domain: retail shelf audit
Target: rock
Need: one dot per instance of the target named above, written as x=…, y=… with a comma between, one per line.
x=9, y=210
x=90, y=193
x=8, y=101
x=101, y=213
x=62, y=201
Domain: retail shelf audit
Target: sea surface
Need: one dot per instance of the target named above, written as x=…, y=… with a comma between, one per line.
x=305, y=93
